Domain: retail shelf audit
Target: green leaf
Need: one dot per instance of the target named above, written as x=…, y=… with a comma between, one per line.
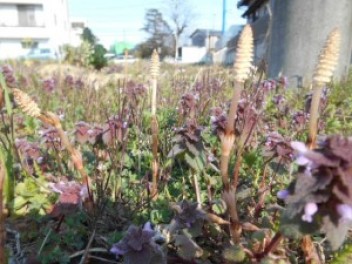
x=336, y=234
x=343, y=256
x=194, y=162
x=19, y=202
x=294, y=227
x=187, y=248
x=176, y=150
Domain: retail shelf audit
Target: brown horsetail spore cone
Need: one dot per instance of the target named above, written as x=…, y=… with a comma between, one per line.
x=27, y=105
x=244, y=54
x=154, y=72
x=154, y=64
x=328, y=58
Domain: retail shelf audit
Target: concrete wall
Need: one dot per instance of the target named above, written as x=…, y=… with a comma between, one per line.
x=193, y=54
x=299, y=30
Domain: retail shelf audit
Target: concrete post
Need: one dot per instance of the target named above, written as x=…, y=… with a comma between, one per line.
x=298, y=31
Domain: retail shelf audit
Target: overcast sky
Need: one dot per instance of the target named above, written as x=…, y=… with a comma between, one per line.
x=119, y=20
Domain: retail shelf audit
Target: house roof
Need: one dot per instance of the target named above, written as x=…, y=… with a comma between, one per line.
x=253, y=5
x=243, y=3
x=207, y=32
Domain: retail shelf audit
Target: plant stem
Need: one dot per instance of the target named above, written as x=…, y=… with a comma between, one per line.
x=197, y=189
x=155, y=165
x=314, y=115
x=233, y=108
x=2, y=216
x=274, y=243
x=309, y=250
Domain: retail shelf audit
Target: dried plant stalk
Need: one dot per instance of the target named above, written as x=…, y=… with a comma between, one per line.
x=327, y=62
x=2, y=215
x=1, y=98
x=154, y=73
x=229, y=196
x=310, y=253
x=244, y=56
x=242, y=65
x=27, y=105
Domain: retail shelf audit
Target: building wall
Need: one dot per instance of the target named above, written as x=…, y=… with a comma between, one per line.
x=193, y=54
x=41, y=22
x=77, y=27
x=212, y=42
x=299, y=30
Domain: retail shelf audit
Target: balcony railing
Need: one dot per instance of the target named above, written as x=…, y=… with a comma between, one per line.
x=23, y=25
x=24, y=32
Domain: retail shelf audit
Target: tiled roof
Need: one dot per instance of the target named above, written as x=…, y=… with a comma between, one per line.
x=207, y=32
x=252, y=6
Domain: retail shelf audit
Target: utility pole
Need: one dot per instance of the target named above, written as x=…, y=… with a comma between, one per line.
x=223, y=17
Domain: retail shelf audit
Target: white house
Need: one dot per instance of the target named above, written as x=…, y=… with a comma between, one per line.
x=77, y=27
x=28, y=24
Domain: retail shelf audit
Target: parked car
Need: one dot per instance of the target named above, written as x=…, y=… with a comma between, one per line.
x=42, y=54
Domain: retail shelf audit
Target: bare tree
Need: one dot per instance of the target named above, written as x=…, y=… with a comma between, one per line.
x=179, y=14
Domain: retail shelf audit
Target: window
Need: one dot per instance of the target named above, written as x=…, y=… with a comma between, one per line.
x=29, y=44
x=27, y=15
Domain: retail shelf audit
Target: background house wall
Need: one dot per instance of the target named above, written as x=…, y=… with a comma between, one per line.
x=26, y=24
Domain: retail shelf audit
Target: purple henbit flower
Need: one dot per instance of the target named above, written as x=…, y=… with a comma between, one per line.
x=69, y=81
x=278, y=146
x=188, y=104
x=198, y=86
x=345, y=211
x=114, y=129
x=51, y=138
x=283, y=81
x=70, y=192
x=139, y=245
x=279, y=100
x=49, y=85
x=188, y=214
x=218, y=120
x=29, y=152
x=72, y=196
x=9, y=76
x=301, y=158
x=191, y=132
x=95, y=134
x=268, y=85
x=246, y=117
x=79, y=84
x=216, y=84
x=309, y=211
x=299, y=120
x=135, y=92
x=323, y=186
x=81, y=132
x=283, y=194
